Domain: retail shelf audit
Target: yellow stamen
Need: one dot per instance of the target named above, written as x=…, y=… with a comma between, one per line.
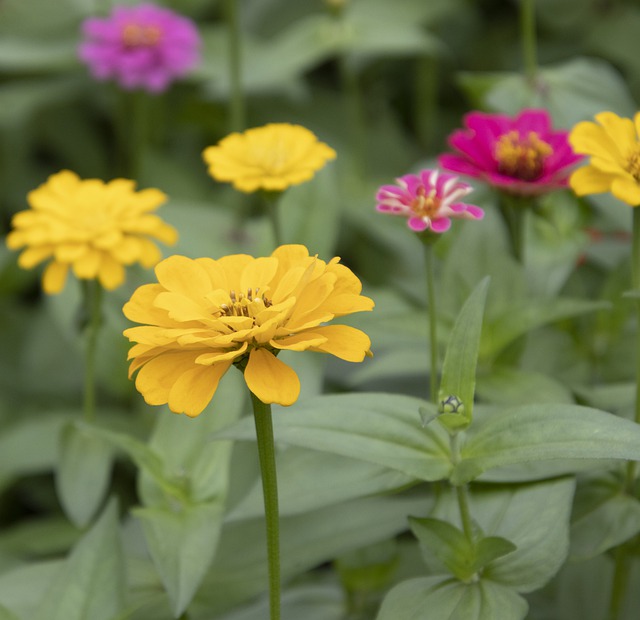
x=633, y=164
x=522, y=157
x=134, y=35
x=245, y=305
x=424, y=205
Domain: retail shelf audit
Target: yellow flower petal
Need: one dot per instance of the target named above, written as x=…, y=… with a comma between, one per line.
x=111, y=273
x=590, y=139
x=626, y=190
x=194, y=389
x=54, y=277
x=156, y=378
x=299, y=342
x=183, y=275
x=589, y=180
x=271, y=380
x=622, y=131
x=33, y=256
x=347, y=343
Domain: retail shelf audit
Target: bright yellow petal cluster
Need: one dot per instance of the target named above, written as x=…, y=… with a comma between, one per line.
x=204, y=315
x=614, y=148
x=91, y=227
x=271, y=158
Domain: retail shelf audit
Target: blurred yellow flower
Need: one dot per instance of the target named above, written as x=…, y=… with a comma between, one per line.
x=271, y=158
x=614, y=148
x=205, y=315
x=90, y=226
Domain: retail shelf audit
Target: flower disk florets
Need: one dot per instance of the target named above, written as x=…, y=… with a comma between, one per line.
x=204, y=315
x=91, y=227
x=522, y=155
x=143, y=46
x=429, y=200
x=269, y=158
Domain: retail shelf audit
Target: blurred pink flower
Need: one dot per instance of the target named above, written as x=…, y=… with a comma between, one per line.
x=520, y=155
x=143, y=46
x=429, y=200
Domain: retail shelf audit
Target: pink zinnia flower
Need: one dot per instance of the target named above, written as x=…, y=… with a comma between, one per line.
x=520, y=155
x=142, y=46
x=429, y=200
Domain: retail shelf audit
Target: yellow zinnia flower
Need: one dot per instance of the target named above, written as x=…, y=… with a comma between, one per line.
x=614, y=148
x=271, y=158
x=90, y=226
x=205, y=314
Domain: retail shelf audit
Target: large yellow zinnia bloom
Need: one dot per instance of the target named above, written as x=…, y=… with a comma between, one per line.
x=614, y=148
x=270, y=158
x=90, y=226
x=204, y=315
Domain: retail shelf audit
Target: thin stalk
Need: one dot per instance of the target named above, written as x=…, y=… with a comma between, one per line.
x=514, y=213
x=350, y=84
x=462, y=493
x=621, y=559
x=528, y=36
x=271, y=206
x=236, y=99
x=433, y=321
x=132, y=132
x=266, y=452
x=93, y=308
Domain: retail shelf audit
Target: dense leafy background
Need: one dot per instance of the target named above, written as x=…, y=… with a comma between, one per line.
x=151, y=513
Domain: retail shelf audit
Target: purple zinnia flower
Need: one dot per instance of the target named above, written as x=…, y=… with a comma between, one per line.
x=429, y=200
x=142, y=46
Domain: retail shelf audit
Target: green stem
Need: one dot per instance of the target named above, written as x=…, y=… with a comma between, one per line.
x=462, y=493
x=271, y=202
x=92, y=292
x=621, y=559
x=528, y=34
x=356, y=131
x=132, y=132
x=426, y=105
x=236, y=99
x=433, y=320
x=266, y=452
x=514, y=213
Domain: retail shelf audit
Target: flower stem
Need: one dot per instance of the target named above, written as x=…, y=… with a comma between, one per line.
x=266, y=452
x=271, y=202
x=433, y=320
x=236, y=100
x=514, y=213
x=528, y=34
x=621, y=559
x=462, y=493
x=92, y=292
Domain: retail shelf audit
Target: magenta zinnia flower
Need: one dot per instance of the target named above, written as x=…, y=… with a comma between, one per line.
x=142, y=46
x=520, y=155
x=429, y=200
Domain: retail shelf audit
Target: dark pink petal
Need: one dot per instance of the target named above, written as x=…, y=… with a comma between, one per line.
x=533, y=120
x=476, y=149
x=417, y=224
x=474, y=212
x=440, y=224
x=488, y=127
x=456, y=163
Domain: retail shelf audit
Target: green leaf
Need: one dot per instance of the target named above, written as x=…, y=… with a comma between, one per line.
x=461, y=358
x=462, y=557
x=378, y=428
x=426, y=598
x=90, y=585
x=609, y=523
x=82, y=477
x=545, y=432
x=5, y=614
x=182, y=544
x=335, y=479
x=502, y=328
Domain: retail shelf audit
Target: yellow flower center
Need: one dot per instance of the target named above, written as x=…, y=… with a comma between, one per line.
x=424, y=205
x=522, y=157
x=633, y=164
x=245, y=305
x=134, y=35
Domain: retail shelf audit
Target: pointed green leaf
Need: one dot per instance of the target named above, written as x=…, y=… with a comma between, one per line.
x=461, y=358
x=379, y=428
x=182, y=544
x=82, y=477
x=90, y=586
x=427, y=598
x=491, y=548
x=542, y=432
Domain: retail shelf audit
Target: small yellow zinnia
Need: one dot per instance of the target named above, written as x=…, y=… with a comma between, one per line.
x=614, y=147
x=204, y=315
x=90, y=226
x=271, y=158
